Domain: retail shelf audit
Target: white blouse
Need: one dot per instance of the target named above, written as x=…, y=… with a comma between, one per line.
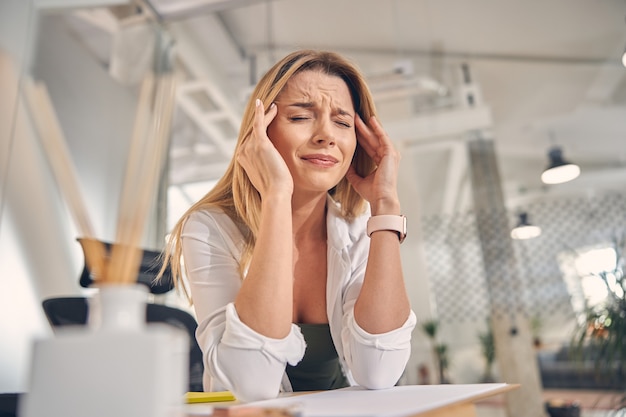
x=251, y=365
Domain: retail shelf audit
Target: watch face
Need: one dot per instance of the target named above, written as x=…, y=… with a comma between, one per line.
x=403, y=235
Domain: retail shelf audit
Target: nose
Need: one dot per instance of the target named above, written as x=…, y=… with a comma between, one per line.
x=323, y=134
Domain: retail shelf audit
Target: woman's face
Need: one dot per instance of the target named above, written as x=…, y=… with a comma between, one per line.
x=314, y=130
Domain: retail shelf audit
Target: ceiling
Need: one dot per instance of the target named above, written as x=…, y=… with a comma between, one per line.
x=542, y=73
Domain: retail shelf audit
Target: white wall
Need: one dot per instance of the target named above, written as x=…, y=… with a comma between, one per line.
x=20, y=319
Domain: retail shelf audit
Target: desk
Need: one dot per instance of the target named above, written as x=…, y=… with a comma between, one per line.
x=450, y=400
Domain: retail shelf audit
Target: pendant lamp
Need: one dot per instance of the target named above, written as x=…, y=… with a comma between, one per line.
x=523, y=229
x=559, y=170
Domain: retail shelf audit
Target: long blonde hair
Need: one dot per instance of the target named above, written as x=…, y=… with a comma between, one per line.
x=234, y=192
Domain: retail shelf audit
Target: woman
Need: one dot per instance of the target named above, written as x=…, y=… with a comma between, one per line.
x=289, y=290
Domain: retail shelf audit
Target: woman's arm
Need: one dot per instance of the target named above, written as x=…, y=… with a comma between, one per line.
x=236, y=357
x=374, y=360
x=383, y=303
x=265, y=300
x=378, y=360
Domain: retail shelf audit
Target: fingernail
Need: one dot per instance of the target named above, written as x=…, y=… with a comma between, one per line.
x=272, y=105
x=258, y=102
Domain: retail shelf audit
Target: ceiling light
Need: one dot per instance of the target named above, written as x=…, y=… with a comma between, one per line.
x=525, y=230
x=559, y=170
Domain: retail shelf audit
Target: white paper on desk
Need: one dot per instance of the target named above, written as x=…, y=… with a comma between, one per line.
x=197, y=409
x=398, y=401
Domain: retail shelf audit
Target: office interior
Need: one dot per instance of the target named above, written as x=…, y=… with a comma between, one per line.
x=457, y=84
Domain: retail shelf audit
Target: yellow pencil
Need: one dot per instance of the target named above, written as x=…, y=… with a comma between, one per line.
x=209, y=397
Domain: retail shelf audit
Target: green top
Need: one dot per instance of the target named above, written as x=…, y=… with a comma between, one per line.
x=319, y=369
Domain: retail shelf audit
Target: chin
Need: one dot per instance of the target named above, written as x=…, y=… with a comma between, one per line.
x=319, y=183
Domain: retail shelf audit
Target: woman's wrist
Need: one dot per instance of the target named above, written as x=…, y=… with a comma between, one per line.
x=385, y=206
x=387, y=222
x=274, y=199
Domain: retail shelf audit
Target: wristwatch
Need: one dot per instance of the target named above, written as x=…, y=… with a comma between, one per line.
x=395, y=223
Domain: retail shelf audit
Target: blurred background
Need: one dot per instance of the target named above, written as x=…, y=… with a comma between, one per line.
x=524, y=78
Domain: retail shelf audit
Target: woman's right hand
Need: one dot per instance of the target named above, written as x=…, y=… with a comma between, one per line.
x=258, y=156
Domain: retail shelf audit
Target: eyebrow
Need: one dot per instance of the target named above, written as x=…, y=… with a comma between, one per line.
x=310, y=105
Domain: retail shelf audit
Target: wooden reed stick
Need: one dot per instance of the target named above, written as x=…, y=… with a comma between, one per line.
x=125, y=256
x=136, y=154
x=143, y=174
x=146, y=158
x=55, y=148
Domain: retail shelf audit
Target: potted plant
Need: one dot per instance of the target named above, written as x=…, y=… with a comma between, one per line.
x=440, y=350
x=488, y=349
x=602, y=336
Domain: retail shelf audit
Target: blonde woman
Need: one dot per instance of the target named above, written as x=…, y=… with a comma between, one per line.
x=293, y=259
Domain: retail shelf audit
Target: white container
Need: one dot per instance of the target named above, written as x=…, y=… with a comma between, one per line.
x=117, y=366
x=118, y=308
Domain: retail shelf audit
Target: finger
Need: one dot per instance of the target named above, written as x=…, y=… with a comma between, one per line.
x=259, y=130
x=258, y=125
x=380, y=142
x=271, y=114
x=262, y=119
x=378, y=130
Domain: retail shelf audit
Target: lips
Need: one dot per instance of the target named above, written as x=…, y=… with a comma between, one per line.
x=321, y=159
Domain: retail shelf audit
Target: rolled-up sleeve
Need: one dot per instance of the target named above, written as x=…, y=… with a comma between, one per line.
x=373, y=361
x=236, y=358
x=376, y=361
x=243, y=361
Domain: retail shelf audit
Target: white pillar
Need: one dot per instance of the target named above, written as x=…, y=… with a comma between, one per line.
x=515, y=353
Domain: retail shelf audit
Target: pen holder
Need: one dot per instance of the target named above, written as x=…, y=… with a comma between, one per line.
x=116, y=366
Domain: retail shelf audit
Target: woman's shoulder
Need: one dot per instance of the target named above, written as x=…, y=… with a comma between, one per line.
x=208, y=215
x=211, y=220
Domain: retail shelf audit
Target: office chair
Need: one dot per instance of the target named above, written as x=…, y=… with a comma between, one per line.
x=148, y=270
x=8, y=404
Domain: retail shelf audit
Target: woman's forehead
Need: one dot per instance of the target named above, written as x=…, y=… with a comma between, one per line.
x=317, y=85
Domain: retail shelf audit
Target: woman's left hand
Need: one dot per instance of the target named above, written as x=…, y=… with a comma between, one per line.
x=380, y=187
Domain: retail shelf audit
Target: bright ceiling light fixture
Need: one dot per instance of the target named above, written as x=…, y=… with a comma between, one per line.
x=524, y=230
x=559, y=170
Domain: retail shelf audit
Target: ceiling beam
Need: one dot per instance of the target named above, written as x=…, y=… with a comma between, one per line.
x=458, y=55
x=63, y=4
x=169, y=10
x=440, y=125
